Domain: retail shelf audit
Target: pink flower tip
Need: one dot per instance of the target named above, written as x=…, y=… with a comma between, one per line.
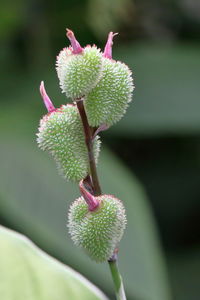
x=74, y=43
x=91, y=200
x=47, y=101
x=108, y=47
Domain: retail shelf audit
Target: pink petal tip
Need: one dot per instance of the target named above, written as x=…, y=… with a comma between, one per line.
x=74, y=43
x=47, y=101
x=108, y=47
x=91, y=200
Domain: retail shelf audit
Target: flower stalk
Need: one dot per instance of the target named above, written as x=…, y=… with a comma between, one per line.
x=88, y=132
x=117, y=278
x=100, y=89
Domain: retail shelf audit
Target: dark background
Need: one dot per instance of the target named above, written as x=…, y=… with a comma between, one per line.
x=158, y=140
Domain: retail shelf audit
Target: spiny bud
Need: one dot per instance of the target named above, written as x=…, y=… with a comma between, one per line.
x=97, y=231
x=108, y=100
x=61, y=134
x=78, y=69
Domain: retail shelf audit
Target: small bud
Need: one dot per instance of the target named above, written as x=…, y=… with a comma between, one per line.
x=108, y=101
x=47, y=101
x=98, y=232
x=61, y=134
x=108, y=47
x=99, y=129
x=78, y=69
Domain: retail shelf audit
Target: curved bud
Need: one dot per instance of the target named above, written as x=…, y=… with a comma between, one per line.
x=75, y=44
x=47, y=101
x=99, y=129
x=97, y=232
x=61, y=134
x=91, y=200
x=108, y=47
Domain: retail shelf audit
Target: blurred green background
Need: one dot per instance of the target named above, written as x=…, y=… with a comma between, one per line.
x=150, y=159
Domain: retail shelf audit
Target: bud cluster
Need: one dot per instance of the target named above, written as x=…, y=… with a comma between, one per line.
x=104, y=86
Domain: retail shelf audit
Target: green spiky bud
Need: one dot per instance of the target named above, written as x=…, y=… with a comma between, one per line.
x=108, y=101
x=61, y=134
x=99, y=231
x=78, y=69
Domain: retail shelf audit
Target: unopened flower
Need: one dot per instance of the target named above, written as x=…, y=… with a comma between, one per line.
x=107, y=102
x=61, y=134
x=78, y=69
x=97, y=231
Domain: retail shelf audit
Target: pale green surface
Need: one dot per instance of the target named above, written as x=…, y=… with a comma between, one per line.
x=61, y=134
x=79, y=73
x=108, y=101
x=35, y=199
x=27, y=273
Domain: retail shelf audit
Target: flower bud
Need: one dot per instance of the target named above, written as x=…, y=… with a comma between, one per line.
x=61, y=134
x=108, y=100
x=78, y=69
x=98, y=231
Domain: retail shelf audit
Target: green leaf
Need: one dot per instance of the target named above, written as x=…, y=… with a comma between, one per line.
x=35, y=199
x=29, y=273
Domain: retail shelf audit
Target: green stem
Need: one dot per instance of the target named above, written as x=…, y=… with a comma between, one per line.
x=88, y=132
x=117, y=279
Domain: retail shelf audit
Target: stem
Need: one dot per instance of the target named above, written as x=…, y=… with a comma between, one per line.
x=89, y=144
x=88, y=132
x=117, y=279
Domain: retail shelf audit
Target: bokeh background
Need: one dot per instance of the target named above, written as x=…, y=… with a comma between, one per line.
x=150, y=159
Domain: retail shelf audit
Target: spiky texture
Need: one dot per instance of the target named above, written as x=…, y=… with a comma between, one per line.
x=97, y=232
x=79, y=73
x=61, y=134
x=108, y=101
x=62, y=59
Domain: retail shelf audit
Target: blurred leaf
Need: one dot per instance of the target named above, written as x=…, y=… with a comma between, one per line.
x=34, y=199
x=12, y=16
x=184, y=269
x=29, y=273
x=104, y=16
x=166, y=97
